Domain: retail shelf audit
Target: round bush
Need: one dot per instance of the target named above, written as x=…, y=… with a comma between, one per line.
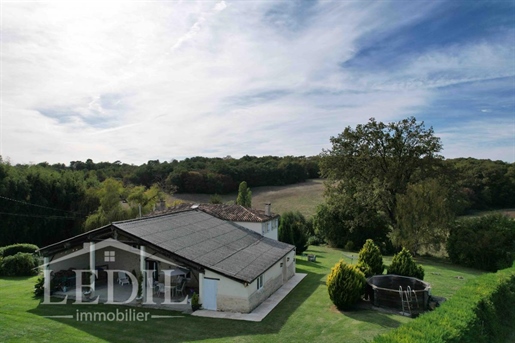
x=21, y=264
x=13, y=249
x=370, y=254
x=315, y=240
x=346, y=285
x=403, y=264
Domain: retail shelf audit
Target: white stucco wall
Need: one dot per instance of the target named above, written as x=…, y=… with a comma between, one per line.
x=273, y=279
x=268, y=229
x=234, y=296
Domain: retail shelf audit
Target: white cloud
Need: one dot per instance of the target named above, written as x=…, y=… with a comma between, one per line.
x=134, y=81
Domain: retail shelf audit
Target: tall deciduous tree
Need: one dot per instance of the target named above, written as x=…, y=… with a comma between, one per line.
x=244, y=195
x=424, y=214
x=377, y=161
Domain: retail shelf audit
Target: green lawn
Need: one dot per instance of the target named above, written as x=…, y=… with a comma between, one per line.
x=306, y=315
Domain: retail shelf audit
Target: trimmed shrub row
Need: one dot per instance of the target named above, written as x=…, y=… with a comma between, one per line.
x=18, y=260
x=481, y=311
x=11, y=250
x=21, y=264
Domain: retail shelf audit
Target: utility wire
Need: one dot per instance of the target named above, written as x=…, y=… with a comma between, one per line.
x=40, y=206
x=37, y=216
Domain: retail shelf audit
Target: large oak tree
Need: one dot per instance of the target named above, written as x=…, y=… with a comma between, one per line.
x=378, y=161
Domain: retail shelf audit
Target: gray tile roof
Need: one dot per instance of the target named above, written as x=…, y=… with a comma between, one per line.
x=216, y=244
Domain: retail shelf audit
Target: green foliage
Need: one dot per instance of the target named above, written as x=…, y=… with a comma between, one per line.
x=13, y=249
x=315, y=240
x=423, y=214
x=482, y=311
x=487, y=184
x=343, y=219
x=370, y=255
x=404, y=264
x=486, y=242
x=140, y=285
x=349, y=246
x=244, y=195
x=111, y=193
x=39, y=287
x=292, y=230
x=223, y=175
x=195, y=305
x=365, y=269
x=345, y=284
x=215, y=199
x=379, y=160
x=39, y=205
x=20, y=264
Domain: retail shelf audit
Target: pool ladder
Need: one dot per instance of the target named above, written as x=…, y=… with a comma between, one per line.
x=407, y=299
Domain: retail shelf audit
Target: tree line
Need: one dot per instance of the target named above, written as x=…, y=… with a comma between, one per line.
x=208, y=175
x=43, y=203
x=384, y=181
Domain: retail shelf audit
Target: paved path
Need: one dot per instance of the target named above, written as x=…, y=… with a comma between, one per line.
x=262, y=310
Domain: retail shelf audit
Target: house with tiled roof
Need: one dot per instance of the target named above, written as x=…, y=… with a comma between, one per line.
x=263, y=222
x=232, y=267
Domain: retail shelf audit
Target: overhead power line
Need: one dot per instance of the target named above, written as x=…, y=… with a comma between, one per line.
x=40, y=206
x=37, y=216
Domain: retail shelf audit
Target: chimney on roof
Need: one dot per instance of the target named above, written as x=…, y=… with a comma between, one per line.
x=268, y=211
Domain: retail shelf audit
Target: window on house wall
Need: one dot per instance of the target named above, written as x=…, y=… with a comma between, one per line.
x=260, y=282
x=109, y=256
x=269, y=226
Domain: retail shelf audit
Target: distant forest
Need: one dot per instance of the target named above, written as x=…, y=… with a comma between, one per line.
x=43, y=203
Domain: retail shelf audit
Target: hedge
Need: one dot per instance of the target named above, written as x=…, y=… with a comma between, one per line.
x=485, y=242
x=11, y=250
x=21, y=264
x=481, y=311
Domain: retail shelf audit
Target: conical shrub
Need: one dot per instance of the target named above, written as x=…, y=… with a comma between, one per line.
x=370, y=255
x=346, y=285
x=403, y=264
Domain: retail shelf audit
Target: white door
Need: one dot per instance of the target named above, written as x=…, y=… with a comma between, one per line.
x=210, y=290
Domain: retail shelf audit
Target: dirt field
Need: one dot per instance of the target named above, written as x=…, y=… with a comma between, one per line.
x=303, y=197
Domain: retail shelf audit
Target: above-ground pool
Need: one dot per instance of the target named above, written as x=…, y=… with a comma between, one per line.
x=407, y=294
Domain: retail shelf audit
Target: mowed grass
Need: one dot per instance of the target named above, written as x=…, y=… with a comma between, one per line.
x=303, y=197
x=305, y=315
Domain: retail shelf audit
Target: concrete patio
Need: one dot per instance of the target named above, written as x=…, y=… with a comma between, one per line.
x=182, y=304
x=122, y=293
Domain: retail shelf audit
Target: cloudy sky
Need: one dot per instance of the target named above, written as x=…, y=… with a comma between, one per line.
x=141, y=80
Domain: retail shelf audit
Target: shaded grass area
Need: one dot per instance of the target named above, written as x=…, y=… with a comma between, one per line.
x=510, y=212
x=305, y=315
x=303, y=197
